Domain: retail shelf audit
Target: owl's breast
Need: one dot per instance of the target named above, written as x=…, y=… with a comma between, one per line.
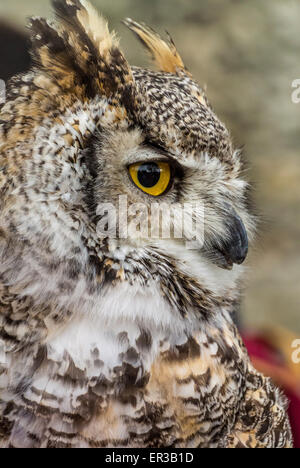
x=188, y=400
x=124, y=373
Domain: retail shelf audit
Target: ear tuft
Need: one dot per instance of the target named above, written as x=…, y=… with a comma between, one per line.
x=81, y=15
x=79, y=53
x=164, y=54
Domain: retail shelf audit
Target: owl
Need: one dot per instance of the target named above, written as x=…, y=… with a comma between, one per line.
x=112, y=337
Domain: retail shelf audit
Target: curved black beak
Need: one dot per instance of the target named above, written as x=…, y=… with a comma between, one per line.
x=234, y=249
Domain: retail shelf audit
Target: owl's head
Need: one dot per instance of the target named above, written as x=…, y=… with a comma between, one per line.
x=111, y=173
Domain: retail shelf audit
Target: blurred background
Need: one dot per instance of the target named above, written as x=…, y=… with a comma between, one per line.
x=247, y=54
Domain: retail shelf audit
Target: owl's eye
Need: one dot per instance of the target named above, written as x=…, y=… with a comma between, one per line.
x=153, y=178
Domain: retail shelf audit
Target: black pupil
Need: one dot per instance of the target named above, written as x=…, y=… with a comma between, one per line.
x=149, y=174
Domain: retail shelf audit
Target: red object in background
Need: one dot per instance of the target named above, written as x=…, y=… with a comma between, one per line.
x=270, y=361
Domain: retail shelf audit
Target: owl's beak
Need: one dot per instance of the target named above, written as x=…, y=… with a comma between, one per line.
x=234, y=249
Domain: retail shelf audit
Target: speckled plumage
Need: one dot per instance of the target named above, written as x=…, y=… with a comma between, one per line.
x=119, y=343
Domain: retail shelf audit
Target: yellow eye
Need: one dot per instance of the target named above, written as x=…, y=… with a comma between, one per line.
x=153, y=178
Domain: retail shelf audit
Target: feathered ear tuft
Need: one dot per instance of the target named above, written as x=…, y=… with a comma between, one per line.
x=79, y=53
x=81, y=16
x=164, y=54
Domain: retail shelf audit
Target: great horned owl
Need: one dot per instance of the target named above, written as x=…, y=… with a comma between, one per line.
x=121, y=342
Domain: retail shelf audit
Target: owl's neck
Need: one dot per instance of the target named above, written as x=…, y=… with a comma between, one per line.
x=125, y=329
x=130, y=326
